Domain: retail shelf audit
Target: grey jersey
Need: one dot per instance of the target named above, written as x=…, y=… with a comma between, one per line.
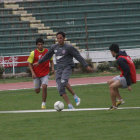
x=64, y=55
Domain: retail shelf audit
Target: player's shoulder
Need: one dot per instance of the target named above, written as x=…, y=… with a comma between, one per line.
x=69, y=47
x=45, y=48
x=54, y=46
x=32, y=52
x=121, y=60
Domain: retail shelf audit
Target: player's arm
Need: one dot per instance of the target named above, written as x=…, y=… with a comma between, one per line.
x=52, y=65
x=30, y=64
x=32, y=71
x=75, y=53
x=46, y=57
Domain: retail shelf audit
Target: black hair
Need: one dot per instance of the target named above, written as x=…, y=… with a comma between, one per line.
x=114, y=47
x=62, y=33
x=39, y=40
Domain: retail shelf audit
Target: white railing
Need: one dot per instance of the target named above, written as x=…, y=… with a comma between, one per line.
x=13, y=61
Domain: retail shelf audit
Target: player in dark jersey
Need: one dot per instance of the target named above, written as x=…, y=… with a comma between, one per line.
x=125, y=80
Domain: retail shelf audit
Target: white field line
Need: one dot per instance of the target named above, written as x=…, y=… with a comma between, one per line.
x=64, y=110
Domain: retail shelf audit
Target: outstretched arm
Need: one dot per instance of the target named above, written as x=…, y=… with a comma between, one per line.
x=52, y=66
x=46, y=57
x=75, y=53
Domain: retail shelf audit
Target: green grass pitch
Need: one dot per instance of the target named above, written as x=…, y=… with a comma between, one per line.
x=83, y=125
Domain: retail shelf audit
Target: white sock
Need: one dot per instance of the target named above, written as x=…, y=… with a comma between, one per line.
x=114, y=106
x=75, y=96
x=70, y=105
x=43, y=103
x=120, y=99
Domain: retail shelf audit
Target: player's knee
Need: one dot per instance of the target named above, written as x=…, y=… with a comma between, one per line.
x=44, y=86
x=62, y=90
x=61, y=86
x=111, y=86
x=64, y=95
x=109, y=82
x=64, y=82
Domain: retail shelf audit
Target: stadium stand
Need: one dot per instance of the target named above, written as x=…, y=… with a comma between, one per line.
x=107, y=21
x=89, y=24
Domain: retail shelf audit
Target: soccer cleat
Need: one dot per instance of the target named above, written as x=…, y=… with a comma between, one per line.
x=77, y=100
x=113, y=108
x=43, y=106
x=120, y=102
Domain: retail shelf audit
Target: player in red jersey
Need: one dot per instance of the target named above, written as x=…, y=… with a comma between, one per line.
x=40, y=72
x=125, y=80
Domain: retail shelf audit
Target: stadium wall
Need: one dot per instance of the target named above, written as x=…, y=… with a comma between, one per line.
x=105, y=55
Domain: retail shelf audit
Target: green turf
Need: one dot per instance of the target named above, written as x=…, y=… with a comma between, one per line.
x=84, y=125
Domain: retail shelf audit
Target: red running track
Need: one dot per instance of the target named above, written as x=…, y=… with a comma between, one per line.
x=52, y=83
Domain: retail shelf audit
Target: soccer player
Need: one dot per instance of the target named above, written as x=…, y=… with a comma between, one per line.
x=125, y=80
x=40, y=72
x=64, y=59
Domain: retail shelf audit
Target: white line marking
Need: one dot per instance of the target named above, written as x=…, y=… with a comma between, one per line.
x=65, y=110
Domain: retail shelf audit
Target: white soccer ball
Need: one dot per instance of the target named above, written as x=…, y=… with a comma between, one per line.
x=58, y=105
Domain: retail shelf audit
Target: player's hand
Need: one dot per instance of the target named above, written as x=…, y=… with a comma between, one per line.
x=129, y=88
x=36, y=64
x=88, y=68
x=52, y=71
x=33, y=75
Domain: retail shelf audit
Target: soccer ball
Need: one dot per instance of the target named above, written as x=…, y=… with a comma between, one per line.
x=58, y=105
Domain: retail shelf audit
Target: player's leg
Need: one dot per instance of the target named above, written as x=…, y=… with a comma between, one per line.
x=44, y=81
x=118, y=96
x=76, y=98
x=123, y=82
x=117, y=91
x=65, y=78
x=62, y=80
x=110, y=81
x=69, y=88
x=63, y=93
x=65, y=97
x=114, y=92
x=37, y=84
x=44, y=92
